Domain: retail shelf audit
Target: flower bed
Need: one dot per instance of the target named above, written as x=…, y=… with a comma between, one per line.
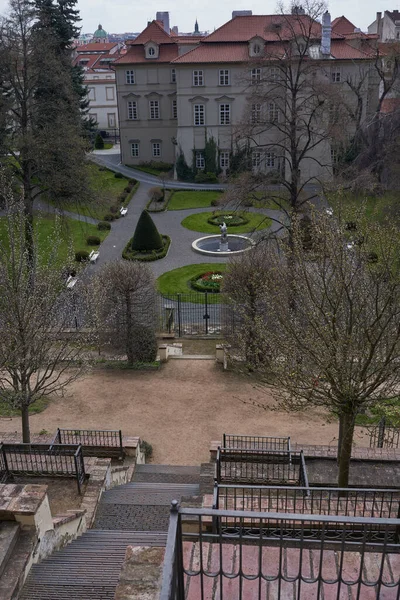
x=208, y=282
x=231, y=219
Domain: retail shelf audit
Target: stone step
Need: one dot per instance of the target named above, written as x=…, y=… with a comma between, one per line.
x=181, y=469
x=9, y=531
x=13, y=575
x=192, y=357
x=166, y=474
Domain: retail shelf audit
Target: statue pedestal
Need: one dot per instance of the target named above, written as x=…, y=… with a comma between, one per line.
x=223, y=247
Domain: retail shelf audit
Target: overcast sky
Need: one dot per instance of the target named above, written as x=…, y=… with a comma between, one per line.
x=118, y=16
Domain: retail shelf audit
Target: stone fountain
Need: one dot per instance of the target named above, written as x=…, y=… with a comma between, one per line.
x=222, y=245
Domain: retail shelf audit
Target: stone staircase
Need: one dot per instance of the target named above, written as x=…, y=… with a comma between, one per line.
x=16, y=546
x=133, y=514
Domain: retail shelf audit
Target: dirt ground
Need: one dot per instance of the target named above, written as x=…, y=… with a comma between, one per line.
x=62, y=492
x=178, y=409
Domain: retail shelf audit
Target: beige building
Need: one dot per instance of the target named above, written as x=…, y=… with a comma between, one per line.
x=174, y=93
x=387, y=27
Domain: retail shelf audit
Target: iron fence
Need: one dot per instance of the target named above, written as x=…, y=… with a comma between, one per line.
x=94, y=442
x=54, y=460
x=196, y=313
x=384, y=435
x=279, y=467
x=255, y=442
x=3, y=466
x=291, y=557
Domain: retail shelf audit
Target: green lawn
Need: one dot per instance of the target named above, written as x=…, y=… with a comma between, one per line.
x=198, y=222
x=6, y=410
x=192, y=199
x=177, y=281
x=377, y=208
x=72, y=232
x=108, y=145
x=149, y=170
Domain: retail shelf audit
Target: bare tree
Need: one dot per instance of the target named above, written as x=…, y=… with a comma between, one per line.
x=37, y=358
x=124, y=296
x=340, y=348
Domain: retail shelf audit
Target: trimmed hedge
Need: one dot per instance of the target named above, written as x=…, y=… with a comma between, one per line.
x=129, y=254
x=237, y=220
x=146, y=237
x=103, y=226
x=93, y=240
x=81, y=255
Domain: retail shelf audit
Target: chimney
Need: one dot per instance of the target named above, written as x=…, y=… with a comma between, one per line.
x=298, y=10
x=164, y=18
x=241, y=13
x=378, y=16
x=326, y=34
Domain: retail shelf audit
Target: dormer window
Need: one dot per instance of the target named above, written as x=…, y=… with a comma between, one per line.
x=151, y=51
x=256, y=49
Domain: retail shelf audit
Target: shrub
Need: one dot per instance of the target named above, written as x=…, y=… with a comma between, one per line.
x=215, y=202
x=93, y=240
x=127, y=189
x=114, y=209
x=351, y=226
x=103, y=226
x=205, y=177
x=129, y=254
x=146, y=344
x=109, y=217
x=156, y=194
x=81, y=255
x=118, y=175
x=147, y=449
x=146, y=237
x=183, y=171
x=99, y=142
x=122, y=197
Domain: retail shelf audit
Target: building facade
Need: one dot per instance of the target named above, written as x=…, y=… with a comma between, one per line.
x=175, y=93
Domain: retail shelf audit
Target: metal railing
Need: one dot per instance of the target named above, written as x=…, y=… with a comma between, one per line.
x=345, y=502
x=54, y=460
x=4, y=474
x=255, y=442
x=279, y=467
x=94, y=442
x=383, y=435
x=287, y=556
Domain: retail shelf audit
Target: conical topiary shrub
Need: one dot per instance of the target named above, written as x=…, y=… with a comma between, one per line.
x=146, y=237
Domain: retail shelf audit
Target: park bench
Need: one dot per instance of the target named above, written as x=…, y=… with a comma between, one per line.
x=123, y=210
x=71, y=281
x=94, y=255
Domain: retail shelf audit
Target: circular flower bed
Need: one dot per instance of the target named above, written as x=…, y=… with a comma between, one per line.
x=208, y=282
x=231, y=219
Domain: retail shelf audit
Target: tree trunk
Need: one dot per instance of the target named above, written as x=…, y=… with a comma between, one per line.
x=129, y=330
x=26, y=434
x=347, y=422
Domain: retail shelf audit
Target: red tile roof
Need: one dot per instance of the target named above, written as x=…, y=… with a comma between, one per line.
x=153, y=32
x=340, y=49
x=342, y=25
x=135, y=55
x=215, y=53
x=96, y=46
x=90, y=58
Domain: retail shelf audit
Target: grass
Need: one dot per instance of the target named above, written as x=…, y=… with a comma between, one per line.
x=377, y=208
x=73, y=233
x=389, y=408
x=108, y=145
x=149, y=170
x=192, y=199
x=9, y=411
x=177, y=280
x=198, y=222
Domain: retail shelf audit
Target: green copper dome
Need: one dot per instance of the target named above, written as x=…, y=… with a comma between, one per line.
x=100, y=33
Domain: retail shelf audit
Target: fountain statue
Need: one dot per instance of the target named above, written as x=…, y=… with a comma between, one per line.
x=223, y=244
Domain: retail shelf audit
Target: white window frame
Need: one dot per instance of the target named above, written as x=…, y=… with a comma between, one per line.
x=92, y=93
x=256, y=113
x=173, y=75
x=151, y=51
x=255, y=75
x=174, y=109
x=273, y=74
x=135, y=149
x=256, y=48
x=132, y=110
x=224, y=77
x=224, y=157
x=199, y=115
x=154, y=109
x=256, y=158
x=270, y=158
x=156, y=149
x=224, y=114
x=130, y=77
x=108, y=90
x=198, y=77
x=111, y=120
x=200, y=160
x=273, y=112
x=334, y=156
x=336, y=75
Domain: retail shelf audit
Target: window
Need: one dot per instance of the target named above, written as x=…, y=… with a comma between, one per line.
x=224, y=114
x=256, y=158
x=199, y=114
x=151, y=51
x=224, y=160
x=174, y=109
x=154, y=106
x=156, y=149
x=135, y=150
x=273, y=74
x=93, y=116
x=132, y=110
x=92, y=93
x=334, y=155
x=109, y=93
x=335, y=75
x=200, y=162
x=224, y=78
x=111, y=120
x=95, y=76
x=130, y=77
x=255, y=76
x=270, y=160
x=255, y=113
x=198, y=78
x=173, y=75
x=273, y=112
x=256, y=49
x=108, y=77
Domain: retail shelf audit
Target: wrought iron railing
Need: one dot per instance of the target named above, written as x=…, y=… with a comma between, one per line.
x=54, y=460
x=94, y=442
x=279, y=467
x=345, y=502
x=287, y=556
x=255, y=442
x=383, y=435
x=4, y=474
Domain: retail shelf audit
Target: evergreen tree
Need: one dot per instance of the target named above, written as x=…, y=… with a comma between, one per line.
x=146, y=237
